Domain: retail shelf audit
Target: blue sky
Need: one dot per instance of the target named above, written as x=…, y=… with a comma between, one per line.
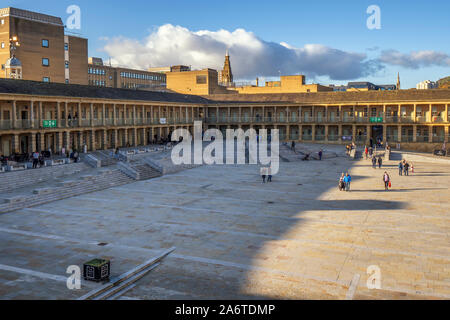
x=406, y=26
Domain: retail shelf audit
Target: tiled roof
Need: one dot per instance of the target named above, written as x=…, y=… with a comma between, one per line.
x=26, y=87
x=374, y=96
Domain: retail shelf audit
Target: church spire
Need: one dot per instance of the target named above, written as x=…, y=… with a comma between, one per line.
x=226, y=75
x=398, y=81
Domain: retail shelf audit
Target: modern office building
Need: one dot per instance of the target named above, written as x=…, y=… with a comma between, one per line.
x=102, y=75
x=38, y=43
x=105, y=118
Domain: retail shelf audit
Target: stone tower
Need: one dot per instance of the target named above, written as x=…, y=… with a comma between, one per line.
x=226, y=74
x=398, y=81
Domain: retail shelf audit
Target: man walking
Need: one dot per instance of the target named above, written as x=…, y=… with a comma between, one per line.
x=35, y=159
x=347, y=181
x=386, y=180
x=380, y=162
x=400, y=168
x=320, y=154
x=374, y=162
x=406, y=168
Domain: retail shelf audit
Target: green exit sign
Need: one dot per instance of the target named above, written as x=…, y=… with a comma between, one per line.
x=49, y=123
x=376, y=119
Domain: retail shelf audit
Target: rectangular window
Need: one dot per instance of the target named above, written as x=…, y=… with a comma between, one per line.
x=3, y=45
x=67, y=81
x=66, y=46
x=66, y=64
x=201, y=79
x=45, y=62
x=3, y=21
x=44, y=43
x=46, y=79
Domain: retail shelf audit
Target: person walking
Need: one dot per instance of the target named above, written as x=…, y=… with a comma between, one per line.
x=35, y=159
x=263, y=172
x=347, y=181
x=374, y=162
x=406, y=168
x=320, y=154
x=412, y=168
x=400, y=168
x=387, y=181
x=341, y=182
x=366, y=151
x=269, y=175
x=380, y=162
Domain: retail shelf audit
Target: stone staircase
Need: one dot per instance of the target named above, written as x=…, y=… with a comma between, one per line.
x=145, y=171
x=105, y=157
x=18, y=179
x=66, y=189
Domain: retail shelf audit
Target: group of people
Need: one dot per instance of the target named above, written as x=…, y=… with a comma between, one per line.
x=350, y=147
x=266, y=172
x=345, y=181
x=377, y=160
x=403, y=168
x=38, y=159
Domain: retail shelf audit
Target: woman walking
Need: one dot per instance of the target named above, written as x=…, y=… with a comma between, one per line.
x=387, y=181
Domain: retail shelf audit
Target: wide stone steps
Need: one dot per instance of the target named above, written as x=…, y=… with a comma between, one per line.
x=15, y=180
x=87, y=185
x=146, y=172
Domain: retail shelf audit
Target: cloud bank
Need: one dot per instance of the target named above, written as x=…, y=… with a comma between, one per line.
x=415, y=59
x=250, y=56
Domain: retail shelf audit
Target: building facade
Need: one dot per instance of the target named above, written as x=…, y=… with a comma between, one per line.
x=426, y=85
x=196, y=82
x=101, y=75
x=45, y=52
x=287, y=84
x=39, y=116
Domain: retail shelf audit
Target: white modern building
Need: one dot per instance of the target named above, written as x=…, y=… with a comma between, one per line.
x=427, y=84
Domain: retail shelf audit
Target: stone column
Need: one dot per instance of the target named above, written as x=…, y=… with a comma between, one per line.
x=125, y=134
x=369, y=133
x=134, y=114
x=41, y=115
x=67, y=140
x=104, y=114
x=32, y=115
x=66, y=114
x=79, y=114
x=93, y=141
x=414, y=133
x=14, y=115
x=288, y=132
x=430, y=134
x=446, y=119
x=59, y=141
x=384, y=133
x=104, y=139
x=32, y=142
x=399, y=133
x=415, y=112
x=340, y=116
x=91, y=113
x=429, y=115
x=114, y=139
x=58, y=114
x=313, y=132
x=134, y=132
x=114, y=114
x=446, y=133
x=15, y=143
x=80, y=142
x=42, y=142
x=384, y=115
x=354, y=132
x=326, y=132
x=340, y=131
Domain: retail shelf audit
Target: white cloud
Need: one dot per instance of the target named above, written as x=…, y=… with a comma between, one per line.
x=415, y=59
x=250, y=56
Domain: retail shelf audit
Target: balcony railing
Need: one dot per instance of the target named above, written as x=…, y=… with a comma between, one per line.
x=320, y=137
x=421, y=138
x=438, y=138
x=5, y=124
x=407, y=138
x=307, y=137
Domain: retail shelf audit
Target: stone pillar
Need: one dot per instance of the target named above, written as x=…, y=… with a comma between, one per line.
x=288, y=132
x=340, y=131
x=313, y=132
x=125, y=134
x=80, y=142
x=114, y=139
x=384, y=116
x=414, y=133
x=326, y=131
x=446, y=119
x=15, y=144
x=415, y=112
x=340, y=116
x=134, y=114
x=67, y=140
x=429, y=115
x=59, y=141
x=42, y=142
x=79, y=114
x=66, y=114
x=114, y=114
x=430, y=134
x=32, y=116
x=300, y=132
x=144, y=136
x=446, y=133
x=14, y=115
x=354, y=132
x=58, y=114
x=369, y=133
x=41, y=115
x=104, y=140
x=32, y=142
x=91, y=114
x=134, y=133
x=93, y=141
x=399, y=133
x=104, y=114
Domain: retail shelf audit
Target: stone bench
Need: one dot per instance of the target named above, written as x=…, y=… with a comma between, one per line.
x=70, y=183
x=16, y=199
x=58, y=162
x=88, y=178
x=42, y=191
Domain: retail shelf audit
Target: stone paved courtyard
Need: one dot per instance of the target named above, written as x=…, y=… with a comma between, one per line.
x=298, y=237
